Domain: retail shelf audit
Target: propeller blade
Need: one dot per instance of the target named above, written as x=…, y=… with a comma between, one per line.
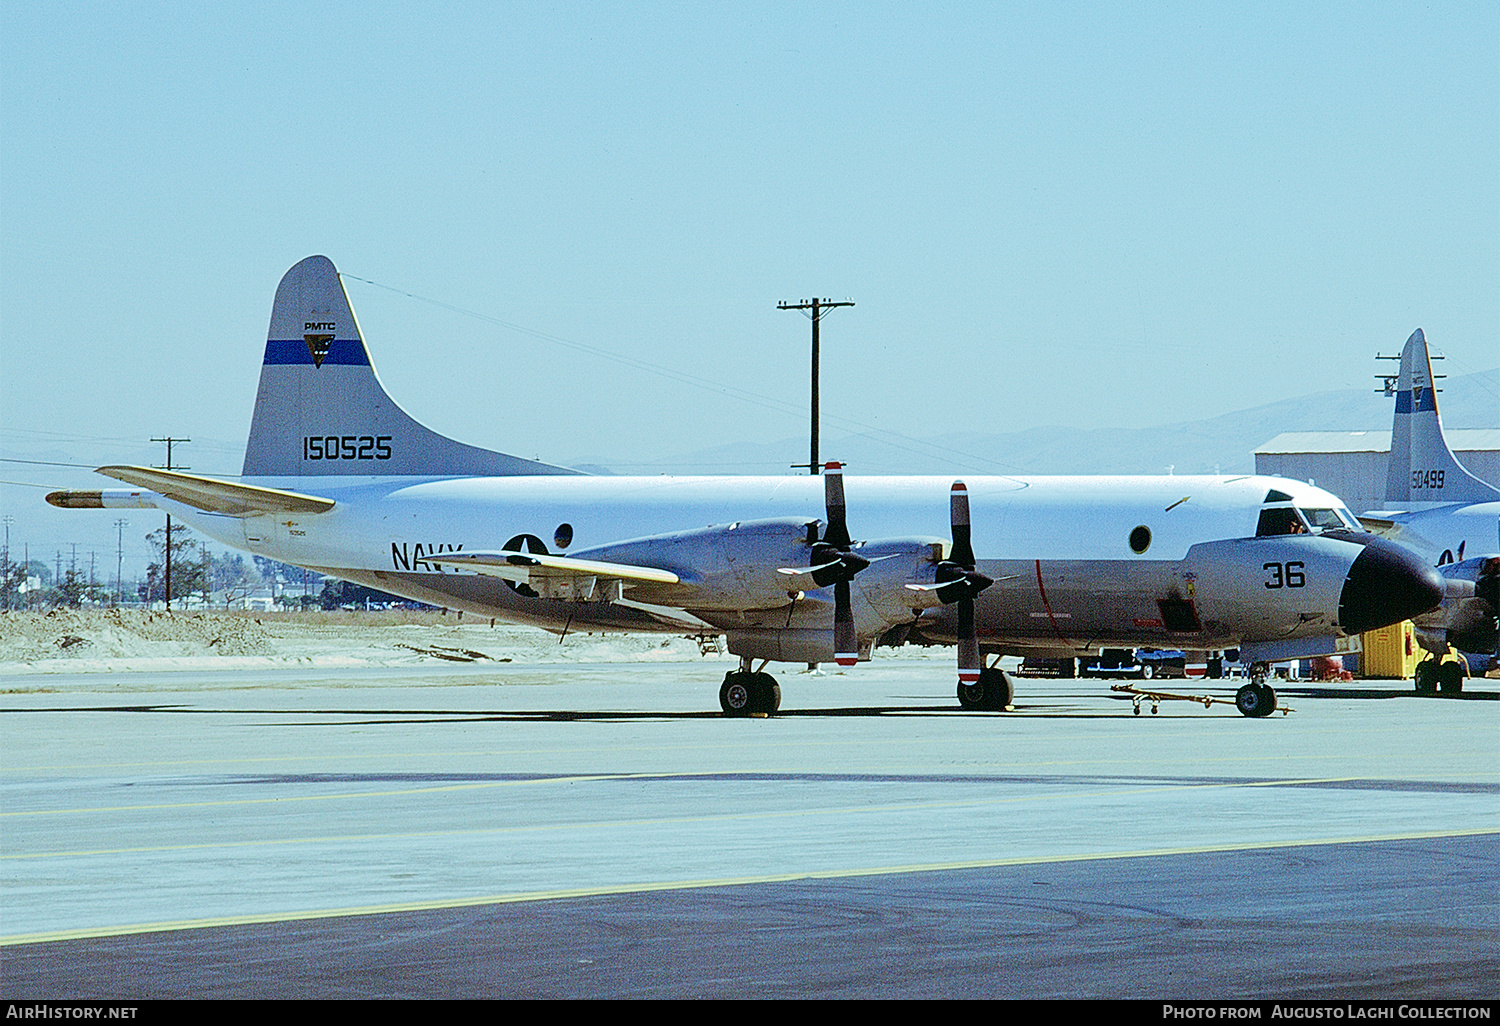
x=836, y=565
x=968, y=643
x=837, y=532
x=967, y=583
x=845, y=644
x=972, y=580
x=958, y=513
x=840, y=571
x=801, y=571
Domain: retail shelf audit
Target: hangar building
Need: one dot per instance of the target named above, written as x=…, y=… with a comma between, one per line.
x=1352, y=464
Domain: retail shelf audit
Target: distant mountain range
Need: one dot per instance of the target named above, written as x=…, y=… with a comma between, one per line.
x=1221, y=444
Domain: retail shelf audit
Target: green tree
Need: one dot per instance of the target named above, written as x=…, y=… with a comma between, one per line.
x=73, y=588
x=187, y=565
x=12, y=576
x=231, y=576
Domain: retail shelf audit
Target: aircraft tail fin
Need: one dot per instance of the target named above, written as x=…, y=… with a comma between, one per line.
x=321, y=410
x=1422, y=466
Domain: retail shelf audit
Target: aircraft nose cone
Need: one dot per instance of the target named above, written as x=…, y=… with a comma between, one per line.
x=1387, y=584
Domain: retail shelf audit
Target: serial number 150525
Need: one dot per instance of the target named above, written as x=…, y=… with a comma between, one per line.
x=346, y=447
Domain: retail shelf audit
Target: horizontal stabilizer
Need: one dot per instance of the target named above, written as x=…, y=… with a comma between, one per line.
x=214, y=496
x=532, y=567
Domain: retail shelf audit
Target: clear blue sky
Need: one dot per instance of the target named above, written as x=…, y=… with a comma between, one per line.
x=1078, y=214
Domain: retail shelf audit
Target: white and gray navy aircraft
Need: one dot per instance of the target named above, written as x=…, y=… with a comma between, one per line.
x=1436, y=507
x=339, y=479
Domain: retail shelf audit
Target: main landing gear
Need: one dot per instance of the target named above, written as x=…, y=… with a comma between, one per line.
x=1432, y=675
x=746, y=692
x=992, y=692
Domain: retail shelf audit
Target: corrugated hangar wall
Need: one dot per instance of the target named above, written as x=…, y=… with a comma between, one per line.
x=1352, y=464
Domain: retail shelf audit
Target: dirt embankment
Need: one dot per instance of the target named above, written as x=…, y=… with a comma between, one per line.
x=110, y=640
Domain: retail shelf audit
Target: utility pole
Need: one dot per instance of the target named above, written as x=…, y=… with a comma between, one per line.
x=8, y=520
x=816, y=309
x=169, y=466
x=120, y=526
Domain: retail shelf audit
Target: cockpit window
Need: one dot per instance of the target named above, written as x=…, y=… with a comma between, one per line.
x=1279, y=520
x=1325, y=520
x=1276, y=520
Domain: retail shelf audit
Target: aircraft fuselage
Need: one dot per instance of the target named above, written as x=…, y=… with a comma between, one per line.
x=1078, y=562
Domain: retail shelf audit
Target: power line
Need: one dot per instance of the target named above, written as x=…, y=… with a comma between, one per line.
x=884, y=436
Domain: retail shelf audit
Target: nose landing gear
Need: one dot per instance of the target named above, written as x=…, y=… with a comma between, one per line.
x=1256, y=699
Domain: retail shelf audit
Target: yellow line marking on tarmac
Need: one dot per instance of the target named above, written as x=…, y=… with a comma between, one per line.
x=662, y=820
x=465, y=786
x=599, y=777
x=800, y=745
x=482, y=785
x=683, y=885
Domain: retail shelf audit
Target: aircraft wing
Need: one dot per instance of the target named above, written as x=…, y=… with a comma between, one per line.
x=543, y=570
x=214, y=496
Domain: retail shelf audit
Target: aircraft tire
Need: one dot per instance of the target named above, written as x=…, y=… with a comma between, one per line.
x=992, y=692
x=736, y=696
x=1450, y=678
x=765, y=693
x=1255, y=700
x=1425, y=678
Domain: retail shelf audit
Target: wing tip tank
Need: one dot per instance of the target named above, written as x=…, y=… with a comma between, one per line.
x=76, y=500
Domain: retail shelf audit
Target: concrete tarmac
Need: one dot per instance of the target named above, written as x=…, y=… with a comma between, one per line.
x=600, y=831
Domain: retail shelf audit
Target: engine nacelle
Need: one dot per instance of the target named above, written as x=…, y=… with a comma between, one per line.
x=1467, y=619
x=724, y=567
x=881, y=596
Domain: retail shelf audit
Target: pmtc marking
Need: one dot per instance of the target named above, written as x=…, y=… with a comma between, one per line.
x=1430, y=479
x=402, y=559
x=318, y=326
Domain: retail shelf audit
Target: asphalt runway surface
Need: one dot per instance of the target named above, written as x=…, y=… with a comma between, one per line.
x=600, y=831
